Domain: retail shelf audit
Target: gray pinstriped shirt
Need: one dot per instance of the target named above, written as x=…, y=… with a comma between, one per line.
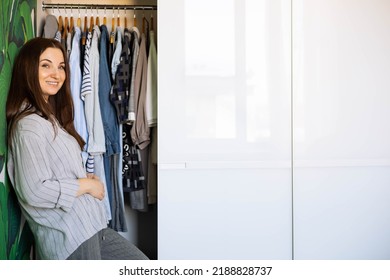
x=43, y=169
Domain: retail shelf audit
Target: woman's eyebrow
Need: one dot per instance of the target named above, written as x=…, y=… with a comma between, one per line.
x=45, y=59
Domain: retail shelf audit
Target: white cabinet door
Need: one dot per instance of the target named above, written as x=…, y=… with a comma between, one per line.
x=341, y=97
x=224, y=129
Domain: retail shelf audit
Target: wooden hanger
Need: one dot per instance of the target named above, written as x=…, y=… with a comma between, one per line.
x=91, y=21
x=91, y=24
x=66, y=27
x=135, y=20
x=113, y=25
x=84, y=38
x=97, y=22
x=105, y=18
x=119, y=19
x=144, y=20
x=112, y=37
x=79, y=19
x=60, y=24
x=71, y=20
x=85, y=24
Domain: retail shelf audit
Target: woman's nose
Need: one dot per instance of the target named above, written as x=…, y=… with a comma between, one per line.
x=55, y=72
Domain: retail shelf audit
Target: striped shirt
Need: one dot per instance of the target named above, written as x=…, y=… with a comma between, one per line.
x=43, y=168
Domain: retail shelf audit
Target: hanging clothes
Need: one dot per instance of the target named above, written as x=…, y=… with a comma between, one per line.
x=69, y=44
x=50, y=28
x=98, y=116
x=112, y=139
x=151, y=84
x=96, y=141
x=75, y=86
x=134, y=181
x=89, y=93
x=121, y=135
x=117, y=53
x=140, y=130
x=134, y=45
x=120, y=91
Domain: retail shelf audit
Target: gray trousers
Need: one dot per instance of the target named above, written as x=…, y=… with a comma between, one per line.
x=107, y=244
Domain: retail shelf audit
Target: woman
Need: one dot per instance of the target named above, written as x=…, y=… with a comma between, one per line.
x=62, y=205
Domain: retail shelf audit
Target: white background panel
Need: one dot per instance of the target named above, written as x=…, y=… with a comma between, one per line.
x=341, y=65
x=224, y=129
x=225, y=214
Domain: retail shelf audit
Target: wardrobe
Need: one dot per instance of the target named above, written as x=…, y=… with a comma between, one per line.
x=272, y=134
x=131, y=205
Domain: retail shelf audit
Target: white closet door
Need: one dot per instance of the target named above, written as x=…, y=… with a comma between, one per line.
x=341, y=93
x=224, y=129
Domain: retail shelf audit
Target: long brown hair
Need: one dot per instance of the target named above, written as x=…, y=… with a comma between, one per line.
x=25, y=94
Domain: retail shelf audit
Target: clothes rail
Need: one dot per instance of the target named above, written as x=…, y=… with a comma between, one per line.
x=96, y=6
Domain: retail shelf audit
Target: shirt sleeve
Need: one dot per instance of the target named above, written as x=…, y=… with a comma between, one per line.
x=33, y=179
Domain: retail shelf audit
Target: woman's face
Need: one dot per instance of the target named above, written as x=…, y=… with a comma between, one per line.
x=51, y=71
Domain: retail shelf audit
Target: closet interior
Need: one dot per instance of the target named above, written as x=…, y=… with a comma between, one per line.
x=114, y=88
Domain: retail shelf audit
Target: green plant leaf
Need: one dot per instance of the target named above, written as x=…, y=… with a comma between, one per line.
x=16, y=27
x=16, y=30
x=3, y=222
x=2, y=56
x=26, y=242
x=25, y=13
x=2, y=162
x=5, y=78
x=14, y=218
x=13, y=51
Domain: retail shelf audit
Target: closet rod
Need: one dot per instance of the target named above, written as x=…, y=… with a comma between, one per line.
x=96, y=6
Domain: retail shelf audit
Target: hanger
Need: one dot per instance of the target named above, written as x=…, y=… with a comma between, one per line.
x=91, y=22
x=71, y=20
x=85, y=21
x=112, y=37
x=60, y=22
x=113, y=21
x=84, y=38
x=105, y=18
x=66, y=27
x=144, y=21
x=97, y=17
x=135, y=19
x=119, y=19
x=79, y=19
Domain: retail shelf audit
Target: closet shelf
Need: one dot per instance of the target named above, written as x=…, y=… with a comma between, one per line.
x=96, y=6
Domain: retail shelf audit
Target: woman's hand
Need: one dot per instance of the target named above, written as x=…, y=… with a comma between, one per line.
x=91, y=185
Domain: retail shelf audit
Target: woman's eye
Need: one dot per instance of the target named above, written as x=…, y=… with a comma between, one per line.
x=62, y=67
x=45, y=65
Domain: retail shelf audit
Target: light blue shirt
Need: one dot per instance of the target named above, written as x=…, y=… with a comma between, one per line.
x=75, y=86
x=89, y=92
x=116, y=57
